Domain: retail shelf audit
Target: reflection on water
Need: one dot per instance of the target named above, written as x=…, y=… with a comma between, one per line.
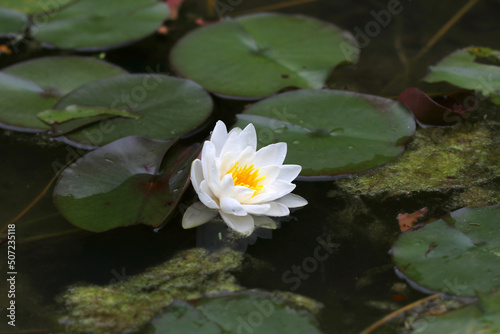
x=355, y=281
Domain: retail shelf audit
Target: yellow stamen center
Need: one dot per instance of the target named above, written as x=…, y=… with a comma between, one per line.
x=246, y=176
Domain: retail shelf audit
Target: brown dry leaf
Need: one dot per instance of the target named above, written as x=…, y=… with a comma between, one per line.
x=407, y=220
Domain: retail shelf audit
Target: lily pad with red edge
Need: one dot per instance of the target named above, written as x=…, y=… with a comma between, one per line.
x=130, y=181
x=458, y=254
x=91, y=25
x=36, y=85
x=332, y=133
x=258, y=55
x=169, y=106
x=445, y=110
x=235, y=312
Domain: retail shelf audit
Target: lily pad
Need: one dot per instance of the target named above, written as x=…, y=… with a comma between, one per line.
x=462, y=69
x=33, y=86
x=34, y=6
x=12, y=21
x=124, y=183
x=96, y=25
x=169, y=107
x=480, y=318
x=458, y=254
x=257, y=55
x=332, y=133
x=56, y=116
x=236, y=312
x=74, y=117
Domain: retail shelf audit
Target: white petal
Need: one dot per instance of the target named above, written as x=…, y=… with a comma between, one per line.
x=206, y=196
x=232, y=206
x=278, y=210
x=241, y=224
x=227, y=186
x=270, y=172
x=241, y=194
x=289, y=172
x=246, y=157
x=292, y=201
x=257, y=209
x=238, y=140
x=281, y=188
x=196, y=215
x=264, y=222
x=219, y=137
x=196, y=174
x=273, y=154
x=249, y=137
x=210, y=168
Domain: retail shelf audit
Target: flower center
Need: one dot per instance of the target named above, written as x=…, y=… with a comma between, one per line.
x=246, y=176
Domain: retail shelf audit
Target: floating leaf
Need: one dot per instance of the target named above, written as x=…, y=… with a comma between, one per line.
x=34, y=6
x=169, y=107
x=96, y=25
x=12, y=21
x=443, y=110
x=124, y=183
x=458, y=254
x=236, y=312
x=331, y=133
x=72, y=112
x=479, y=318
x=36, y=85
x=257, y=55
x=461, y=69
x=182, y=318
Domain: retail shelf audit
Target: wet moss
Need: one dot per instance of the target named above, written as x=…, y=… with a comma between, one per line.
x=125, y=306
x=437, y=159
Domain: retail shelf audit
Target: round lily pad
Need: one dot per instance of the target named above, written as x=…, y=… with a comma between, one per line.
x=169, y=107
x=12, y=21
x=36, y=85
x=235, y=312
x=34, y=6
x=332, y=133
x=96, y=25
x=257, y=55
x=133, y=180
x=458, y=254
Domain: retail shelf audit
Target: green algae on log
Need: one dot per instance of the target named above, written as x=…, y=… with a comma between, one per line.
x=437, y=159
x=128, y=305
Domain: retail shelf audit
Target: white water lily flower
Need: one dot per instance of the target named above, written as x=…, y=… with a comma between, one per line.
x=241, y=184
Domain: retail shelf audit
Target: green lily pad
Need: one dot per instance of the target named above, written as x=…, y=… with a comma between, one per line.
x=257, y=55
x=236, y=312
x=462, y=69
x=36, y=85
x=479, y=318
x=332, y=133
x=12, y=21
x=182, y=318
x=169, y=107
x=124, y=183
x=34, y=6
x=458, y=254
x=96, y=25
x=72, y=112
x=74, y=117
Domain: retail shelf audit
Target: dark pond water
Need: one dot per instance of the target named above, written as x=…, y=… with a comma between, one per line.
x=355, y=283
